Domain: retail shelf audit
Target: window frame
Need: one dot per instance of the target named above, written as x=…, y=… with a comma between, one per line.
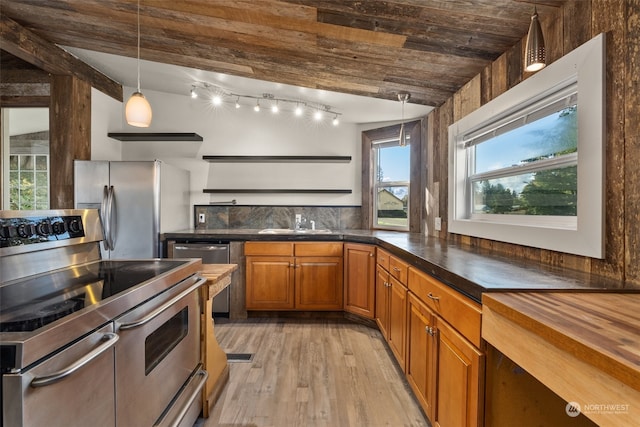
x=586, y=67
x=378, y=185
x=417, y=175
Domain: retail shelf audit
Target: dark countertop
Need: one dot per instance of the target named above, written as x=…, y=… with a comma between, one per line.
x=471, y=271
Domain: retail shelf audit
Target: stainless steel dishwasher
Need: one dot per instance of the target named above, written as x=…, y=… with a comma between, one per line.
x=210, y=253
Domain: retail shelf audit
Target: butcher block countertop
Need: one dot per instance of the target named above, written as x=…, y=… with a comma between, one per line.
x=218, y=277
x=583, y=346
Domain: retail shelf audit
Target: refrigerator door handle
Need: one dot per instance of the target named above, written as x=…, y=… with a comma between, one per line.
x=104, y=216
x=111, y=206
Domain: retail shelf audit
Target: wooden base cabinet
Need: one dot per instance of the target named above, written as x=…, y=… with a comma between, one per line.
x=270, y=282
x=391, y=303
x=294, y=276
x=445, y=368
x=318, y=283
x=460, y=380
x=359, y=279
x=421, y=353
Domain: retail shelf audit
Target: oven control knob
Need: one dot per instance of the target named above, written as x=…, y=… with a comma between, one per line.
x=43, y=228
x=25, y=230
x=5, y=233
x=58, y=228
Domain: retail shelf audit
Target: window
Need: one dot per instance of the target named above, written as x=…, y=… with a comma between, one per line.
x=24, y=145
x=528, y=166
x=391, y=183
x=28, y=181
x=393, y=178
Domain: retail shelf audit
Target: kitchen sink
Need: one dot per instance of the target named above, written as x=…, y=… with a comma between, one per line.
x=292, y=231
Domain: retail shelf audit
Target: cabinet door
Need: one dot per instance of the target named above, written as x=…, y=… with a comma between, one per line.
x=397, y=320
x=382, y=300
x=421, y=353
x=269, y=283
x=460, y=372
x=359, y=279
x=318, y=283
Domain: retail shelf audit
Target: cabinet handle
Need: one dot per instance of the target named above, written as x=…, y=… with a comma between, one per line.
x=433, y=297
x=371, y=254
x=396, y=269
x=430, y=330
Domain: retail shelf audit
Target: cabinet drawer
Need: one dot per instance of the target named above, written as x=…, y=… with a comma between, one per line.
x=268, y=248
x=457, y=310
x=382, y=258
x=398, y=269
x=318, y=249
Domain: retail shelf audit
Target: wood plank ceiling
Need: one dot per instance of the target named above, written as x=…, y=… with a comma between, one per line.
x=374, y=48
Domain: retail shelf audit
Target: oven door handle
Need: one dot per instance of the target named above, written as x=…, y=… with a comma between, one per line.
x=109, y=341
x=195, y=393
x=155, y=313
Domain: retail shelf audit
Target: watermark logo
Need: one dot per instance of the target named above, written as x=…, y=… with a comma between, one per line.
x=572, y=409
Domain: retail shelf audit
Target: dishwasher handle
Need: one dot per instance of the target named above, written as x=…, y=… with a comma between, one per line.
x=201, y=248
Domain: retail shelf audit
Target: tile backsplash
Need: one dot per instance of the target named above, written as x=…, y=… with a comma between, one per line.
x=261, y=216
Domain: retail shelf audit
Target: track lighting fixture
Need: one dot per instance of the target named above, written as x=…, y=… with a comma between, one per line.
x=138, y=111
x=219, y=96
x=535, y=56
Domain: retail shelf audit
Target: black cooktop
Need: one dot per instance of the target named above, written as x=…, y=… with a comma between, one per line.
x=35, y=302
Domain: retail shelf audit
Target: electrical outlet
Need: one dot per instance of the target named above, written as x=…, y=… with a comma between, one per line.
x=438, y=224
x=201, y=218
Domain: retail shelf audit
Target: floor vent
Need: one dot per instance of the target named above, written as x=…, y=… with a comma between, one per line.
x=239, y=357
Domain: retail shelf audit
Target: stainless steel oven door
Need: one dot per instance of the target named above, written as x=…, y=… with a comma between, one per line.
x=72, y=388
x=158, y=351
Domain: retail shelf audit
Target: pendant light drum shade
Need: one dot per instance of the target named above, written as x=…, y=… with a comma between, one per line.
x=535, y=56
x=138, y=111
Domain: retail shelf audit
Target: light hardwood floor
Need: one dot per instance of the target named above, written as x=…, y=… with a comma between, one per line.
x=328, y=372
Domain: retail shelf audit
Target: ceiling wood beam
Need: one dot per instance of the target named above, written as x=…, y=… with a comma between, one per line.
x=32, y=48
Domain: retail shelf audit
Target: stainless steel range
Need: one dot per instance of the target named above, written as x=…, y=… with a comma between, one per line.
x=86, y=341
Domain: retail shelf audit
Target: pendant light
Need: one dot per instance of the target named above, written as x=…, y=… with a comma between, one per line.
x=138, y=111
x=535, y=57
x=403, y=97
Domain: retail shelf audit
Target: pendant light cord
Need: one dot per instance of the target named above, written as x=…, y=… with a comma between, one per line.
x=138, y=45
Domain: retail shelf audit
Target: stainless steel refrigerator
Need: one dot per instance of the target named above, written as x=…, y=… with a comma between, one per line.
x=138, y=200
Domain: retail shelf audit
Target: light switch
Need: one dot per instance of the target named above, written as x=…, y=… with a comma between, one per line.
x=201, y=218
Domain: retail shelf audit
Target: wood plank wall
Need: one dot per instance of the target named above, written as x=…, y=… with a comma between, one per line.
x=574, y=24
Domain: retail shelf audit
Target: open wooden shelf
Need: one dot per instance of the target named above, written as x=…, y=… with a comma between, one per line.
x=273, y=159
x=152, y=136
x=276, y=191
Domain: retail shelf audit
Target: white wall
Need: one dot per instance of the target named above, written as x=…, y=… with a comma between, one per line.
x=227, y=131
x=105, y=115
